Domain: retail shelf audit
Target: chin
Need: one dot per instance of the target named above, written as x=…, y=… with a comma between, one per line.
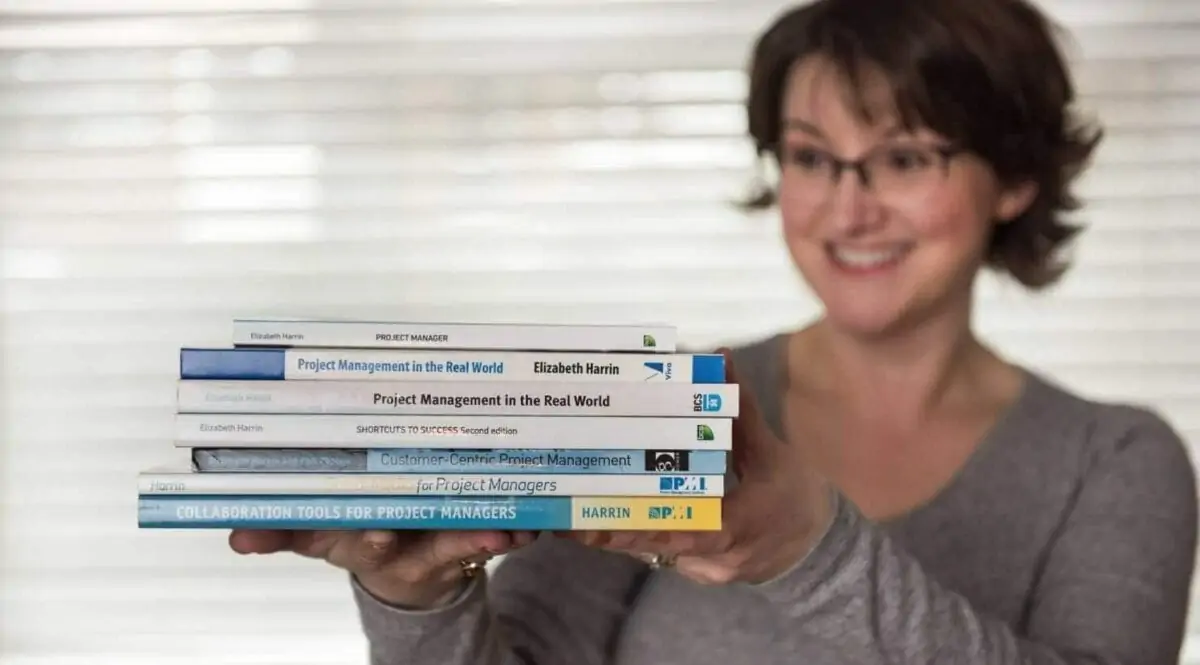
x=875, y=292
x=856, y=321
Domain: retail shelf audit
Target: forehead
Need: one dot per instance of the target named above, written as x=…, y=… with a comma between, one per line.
x=822, y=93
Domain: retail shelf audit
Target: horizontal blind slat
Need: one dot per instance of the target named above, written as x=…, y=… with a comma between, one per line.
x=19, y=170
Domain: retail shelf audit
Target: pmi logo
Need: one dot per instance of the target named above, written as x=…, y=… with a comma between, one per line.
x=670, y=512
x=706, y=402
x=659, y=370
x=682, y=485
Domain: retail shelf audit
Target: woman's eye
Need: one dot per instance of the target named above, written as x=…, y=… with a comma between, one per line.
x=808, y=158
x=907, y=159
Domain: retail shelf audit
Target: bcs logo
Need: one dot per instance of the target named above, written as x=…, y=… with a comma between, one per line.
x=682, y=485
x=706, y=402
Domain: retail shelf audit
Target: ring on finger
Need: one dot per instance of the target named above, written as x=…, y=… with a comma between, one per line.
x=471, y=568
x=658, y=561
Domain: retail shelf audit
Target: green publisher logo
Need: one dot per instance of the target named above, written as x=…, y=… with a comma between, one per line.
x=704, y=433
x=670, y=512
x=648, y=341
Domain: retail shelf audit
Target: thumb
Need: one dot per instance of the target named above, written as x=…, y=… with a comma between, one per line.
x=260, y=541
x=753, y=439
x=449, y=547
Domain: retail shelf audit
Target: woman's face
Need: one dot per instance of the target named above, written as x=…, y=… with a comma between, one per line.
x=904, y=248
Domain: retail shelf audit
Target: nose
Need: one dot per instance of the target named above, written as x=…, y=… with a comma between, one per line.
x=854, y=208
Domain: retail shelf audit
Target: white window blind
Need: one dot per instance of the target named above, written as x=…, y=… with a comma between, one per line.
x=167, y=164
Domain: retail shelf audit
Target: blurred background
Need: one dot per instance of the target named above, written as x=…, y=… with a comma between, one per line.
x=166, y=165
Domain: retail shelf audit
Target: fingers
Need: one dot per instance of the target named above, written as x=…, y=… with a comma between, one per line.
x=453, y=546
x=416, y=568
x=707, y=571
x=366, y=550
x=753, y=440
x=248, y=541
x=374, y=550
x=637, y=543
x=369, y=547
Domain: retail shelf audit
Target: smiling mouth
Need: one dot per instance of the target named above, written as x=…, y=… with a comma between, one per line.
x=864, y=260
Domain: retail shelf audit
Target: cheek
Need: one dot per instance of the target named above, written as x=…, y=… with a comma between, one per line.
x=954, y=224
x=796, y=215
x=802, y=234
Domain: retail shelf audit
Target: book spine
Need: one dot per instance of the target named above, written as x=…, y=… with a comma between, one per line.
x=432, y=460
x=267, y=364
x=431, y=513
x=394, y=334
x=250, y=430
x=466, y=398
x=406, y=484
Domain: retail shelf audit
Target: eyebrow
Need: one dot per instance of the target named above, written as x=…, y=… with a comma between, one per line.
x=809, y=128
x=806, y=127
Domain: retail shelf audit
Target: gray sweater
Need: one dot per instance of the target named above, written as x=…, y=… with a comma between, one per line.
x=1069, y=538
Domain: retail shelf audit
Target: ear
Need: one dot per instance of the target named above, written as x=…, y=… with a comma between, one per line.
x=1015, y=200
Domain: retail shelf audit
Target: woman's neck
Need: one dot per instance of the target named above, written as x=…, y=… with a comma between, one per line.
x=939, y=364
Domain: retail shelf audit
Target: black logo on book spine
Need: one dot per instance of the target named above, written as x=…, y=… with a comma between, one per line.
x=667, y=460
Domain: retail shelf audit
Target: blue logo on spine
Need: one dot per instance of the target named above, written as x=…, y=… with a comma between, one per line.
x=659, y=370
x=682, y=485
x=706, y=402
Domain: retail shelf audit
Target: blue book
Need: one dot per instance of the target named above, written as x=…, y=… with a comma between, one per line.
x=434, y=460
x=278, y=364
x=430, y=513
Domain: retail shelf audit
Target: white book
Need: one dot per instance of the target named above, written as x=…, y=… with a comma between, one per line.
x=454, y=335
x=515, y=398
x=181, y=481
x=254, y=430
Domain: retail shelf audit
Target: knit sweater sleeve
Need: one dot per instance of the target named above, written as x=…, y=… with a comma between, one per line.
x=508, y=618
x=1113, y=590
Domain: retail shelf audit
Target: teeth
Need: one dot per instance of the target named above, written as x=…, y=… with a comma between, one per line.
x=865, y=258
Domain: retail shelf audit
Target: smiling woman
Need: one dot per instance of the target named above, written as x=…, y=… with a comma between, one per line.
x=166, y=166
x=967, y=147
x=903, y=494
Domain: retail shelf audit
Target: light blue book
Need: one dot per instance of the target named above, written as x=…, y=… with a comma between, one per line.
x=434, y=460
x=430, y=513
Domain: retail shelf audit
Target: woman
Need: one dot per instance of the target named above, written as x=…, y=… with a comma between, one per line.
x=905, y=495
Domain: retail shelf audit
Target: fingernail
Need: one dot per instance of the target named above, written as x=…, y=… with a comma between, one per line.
x=377, y=539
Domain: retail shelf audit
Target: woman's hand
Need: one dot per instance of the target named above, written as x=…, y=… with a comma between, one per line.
x=415, y=569
x=771, y=519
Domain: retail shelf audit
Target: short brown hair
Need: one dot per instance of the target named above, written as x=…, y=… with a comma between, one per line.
x=987, y=74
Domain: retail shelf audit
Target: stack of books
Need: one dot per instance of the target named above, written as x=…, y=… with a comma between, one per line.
x=303, y=424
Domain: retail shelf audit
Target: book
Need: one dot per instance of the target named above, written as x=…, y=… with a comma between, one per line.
x=256, y=430
x=186, y=481
x=311, y=423
x=481, y=460
x=462, y=335
x=431, y=513
x=462, y=397
x=273, y=364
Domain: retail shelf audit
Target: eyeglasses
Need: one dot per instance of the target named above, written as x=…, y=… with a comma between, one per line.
x=898, y=174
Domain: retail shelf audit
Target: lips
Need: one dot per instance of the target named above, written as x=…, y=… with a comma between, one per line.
x=867, y=259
